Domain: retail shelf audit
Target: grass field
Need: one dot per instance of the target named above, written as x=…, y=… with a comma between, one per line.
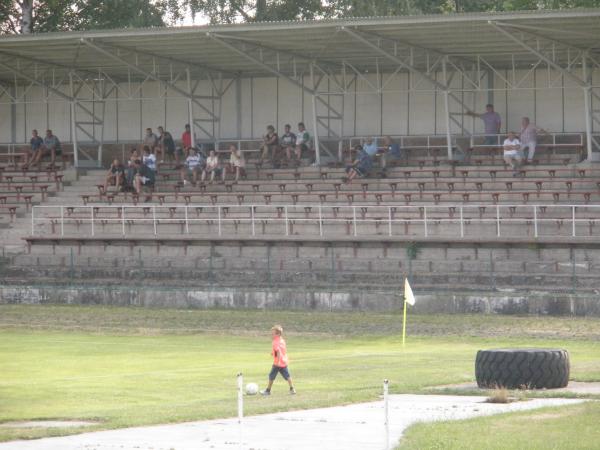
x=126, y=366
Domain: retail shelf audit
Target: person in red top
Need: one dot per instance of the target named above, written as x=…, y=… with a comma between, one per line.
x=280, y=361
x=186, y=139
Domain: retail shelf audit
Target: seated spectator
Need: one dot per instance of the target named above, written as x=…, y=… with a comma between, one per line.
x=360, y=166
x=370, y=146
x=236, y=164
x=166, y=144
x=303, y=142
x=144, y=177
x=50, y=146
x=512, y=152
x=131, y=169
x=213, y=167
x=270, y=145
x=115, y=176
x=528, y=138
x=392, y=151
x=36, y=143
x=288, y=141
x=193, y=164
x=149, y=159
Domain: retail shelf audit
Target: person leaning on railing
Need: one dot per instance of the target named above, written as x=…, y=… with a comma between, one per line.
x=528, y=137
x=491, y=122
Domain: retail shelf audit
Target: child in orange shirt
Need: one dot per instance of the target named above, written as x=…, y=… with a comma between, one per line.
x=280, y=361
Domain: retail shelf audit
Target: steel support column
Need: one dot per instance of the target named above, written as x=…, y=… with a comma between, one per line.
x=190, y=107
x=587, y=92
x=447, y=107
x=73, y=122
x=315, y=119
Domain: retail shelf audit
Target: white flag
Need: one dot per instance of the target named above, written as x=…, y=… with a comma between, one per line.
x=408, y=293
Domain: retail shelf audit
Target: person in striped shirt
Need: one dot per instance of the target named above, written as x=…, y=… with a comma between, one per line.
x=280, y=361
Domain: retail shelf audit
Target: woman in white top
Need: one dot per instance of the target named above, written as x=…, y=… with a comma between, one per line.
x=212, y=167
x=512, y=152
x=236, y=163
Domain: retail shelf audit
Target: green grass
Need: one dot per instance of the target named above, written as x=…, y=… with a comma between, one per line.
x=572, y=427
x=128, y=366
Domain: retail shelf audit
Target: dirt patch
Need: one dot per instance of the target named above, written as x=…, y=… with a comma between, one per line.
x=574, y=387
x=48, y=424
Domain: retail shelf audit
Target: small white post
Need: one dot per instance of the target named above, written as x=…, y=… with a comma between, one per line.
x=573, y=219
x=92, y=208
x=535, y=224
x=386, y=413
x=354, y=218
x=425, y=220
x=123, y=219
x=462, y=224
x=240, y=388
x=287, y=230
x=32, y=221
x=219, y=219
x=252, y=215
x=62, y=221
x=390, y=220
x=498, y=220
x=320, y=221
x=154, y=219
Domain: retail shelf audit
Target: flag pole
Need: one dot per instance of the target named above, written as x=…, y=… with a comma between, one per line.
x=404, y=322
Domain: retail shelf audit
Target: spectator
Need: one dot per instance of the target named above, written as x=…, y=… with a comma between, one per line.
x=115, y=176
x=360, y=166
x=491, y=121
x=370, y=146
x=50, y=146
x=144, y=177
x=512, y=152
x=270, y=144
x=529, y=138
x=288, y=141
x=167, y=146
x=194, y=163
x=237, y=163
x=392, y=151
x=186, y=139
x=150, y=140
x=302, y=141
x=36, y=143
x=213, y=167
x=131, y=168
x=149, y=159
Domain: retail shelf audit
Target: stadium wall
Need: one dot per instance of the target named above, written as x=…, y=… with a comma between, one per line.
x=551, y=100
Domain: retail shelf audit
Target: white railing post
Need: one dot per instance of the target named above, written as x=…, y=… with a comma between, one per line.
x=320, y=220
x=535, y=224
x=285, y=211
x=187, y=222
x=240, y=386
x=389, y=220
x=123, y=220
x=32, y=221
x=574, y=232
x=425, y=220
x=62, y=221
x=219, y=219
x=462, y=224
x=252, y=218
x=386, y=413
x=354, y=219
x=498, y=220
x=92, y=208
x=154, y=219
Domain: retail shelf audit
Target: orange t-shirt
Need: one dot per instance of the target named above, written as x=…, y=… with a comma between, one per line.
x=279, y=352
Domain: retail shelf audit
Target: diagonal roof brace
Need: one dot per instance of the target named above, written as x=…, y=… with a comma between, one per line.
x=36, y=81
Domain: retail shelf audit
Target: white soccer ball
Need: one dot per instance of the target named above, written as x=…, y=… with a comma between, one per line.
x=251, y=389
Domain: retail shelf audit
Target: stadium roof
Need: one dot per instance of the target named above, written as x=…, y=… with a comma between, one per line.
x=258, y=49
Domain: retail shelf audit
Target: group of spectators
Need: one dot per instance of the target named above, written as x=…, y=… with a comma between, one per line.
x=365, y=153
x=290, y=147
x=40, y=147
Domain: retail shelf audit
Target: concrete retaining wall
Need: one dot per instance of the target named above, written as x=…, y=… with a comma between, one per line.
x=309, y=300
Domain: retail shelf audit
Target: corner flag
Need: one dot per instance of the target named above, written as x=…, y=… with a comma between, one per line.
x=409, y=299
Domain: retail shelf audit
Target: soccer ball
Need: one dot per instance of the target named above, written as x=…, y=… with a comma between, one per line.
x=251, y=389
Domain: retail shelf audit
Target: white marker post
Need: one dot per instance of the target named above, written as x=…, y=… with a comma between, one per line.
x=240, y=386
x=386, y=413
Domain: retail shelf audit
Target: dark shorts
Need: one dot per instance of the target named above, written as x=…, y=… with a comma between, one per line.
x=282, y=370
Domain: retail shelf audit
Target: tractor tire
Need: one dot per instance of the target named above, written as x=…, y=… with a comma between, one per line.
x=522, y=368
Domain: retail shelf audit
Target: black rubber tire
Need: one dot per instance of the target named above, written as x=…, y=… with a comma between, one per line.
x=522, y=368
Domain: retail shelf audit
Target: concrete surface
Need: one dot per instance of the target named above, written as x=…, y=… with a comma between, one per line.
x=353, y=427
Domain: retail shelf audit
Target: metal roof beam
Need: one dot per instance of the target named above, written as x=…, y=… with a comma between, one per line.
x=36, y=81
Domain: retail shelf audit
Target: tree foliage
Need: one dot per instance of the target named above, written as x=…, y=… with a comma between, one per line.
x=18, y=16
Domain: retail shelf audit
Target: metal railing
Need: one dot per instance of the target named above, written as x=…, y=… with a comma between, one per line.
x=456, y=221
x=544, y=139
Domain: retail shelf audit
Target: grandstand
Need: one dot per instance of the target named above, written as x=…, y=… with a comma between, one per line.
x=449, y=214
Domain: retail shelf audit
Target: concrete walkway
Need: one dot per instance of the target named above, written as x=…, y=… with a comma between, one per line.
x=353, y=427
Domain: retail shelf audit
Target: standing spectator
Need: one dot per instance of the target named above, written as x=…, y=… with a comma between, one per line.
x=213, y=167
x=529, y=138
x=36, y=143
x=194, y=163
x=302, y=141
x=512, y=152
x=237, y=163
x=288, y=141
x=392, y=151
x=150, y=140
x=186, y=139
x=149, y=159
x=270, y=144
x=491, y=121
x=115, y=176
x=167, y=146
x=144, y=177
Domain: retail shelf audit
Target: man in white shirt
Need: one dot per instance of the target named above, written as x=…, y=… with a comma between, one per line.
x=149, y=159
x=193, y=164
x=512, y=152
x=529, y=137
